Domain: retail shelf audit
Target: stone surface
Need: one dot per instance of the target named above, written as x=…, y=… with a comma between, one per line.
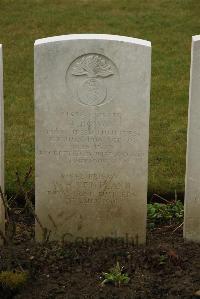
x=92, y=98
x=192, y=186
x=2, y=217
x=197, y=294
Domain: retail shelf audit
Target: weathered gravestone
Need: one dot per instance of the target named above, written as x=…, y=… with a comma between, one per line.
x=2, y=216
x=92, y=95
x=192, y=189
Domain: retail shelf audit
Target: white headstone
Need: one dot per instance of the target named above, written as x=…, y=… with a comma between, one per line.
x=192, y=189
x=2, y=216
x=92, y=99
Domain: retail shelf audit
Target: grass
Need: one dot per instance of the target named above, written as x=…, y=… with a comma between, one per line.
x=168, y=24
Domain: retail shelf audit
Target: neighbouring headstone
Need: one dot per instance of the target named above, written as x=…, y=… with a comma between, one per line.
x=92, y=100
x=192, y=188
x=2, y=216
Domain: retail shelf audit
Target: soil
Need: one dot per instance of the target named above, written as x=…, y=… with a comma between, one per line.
x=167, y=267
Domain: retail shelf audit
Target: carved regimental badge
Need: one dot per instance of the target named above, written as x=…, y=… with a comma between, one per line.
x=92, y=78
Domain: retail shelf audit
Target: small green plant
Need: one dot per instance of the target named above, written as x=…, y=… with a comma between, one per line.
x=159, y=213
x=115, y=276
x=162, y=259
x=13, y=280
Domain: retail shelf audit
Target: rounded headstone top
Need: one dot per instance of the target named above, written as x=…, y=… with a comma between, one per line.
x=109, y=37
x=196, y=38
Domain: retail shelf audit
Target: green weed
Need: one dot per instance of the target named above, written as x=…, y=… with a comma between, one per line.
x=159, y=213
x=115, y=276
x=13, y=280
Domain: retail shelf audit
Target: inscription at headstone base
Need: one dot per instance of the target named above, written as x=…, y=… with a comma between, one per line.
x=2, y=216
x=192, y=187
x=92, y=98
